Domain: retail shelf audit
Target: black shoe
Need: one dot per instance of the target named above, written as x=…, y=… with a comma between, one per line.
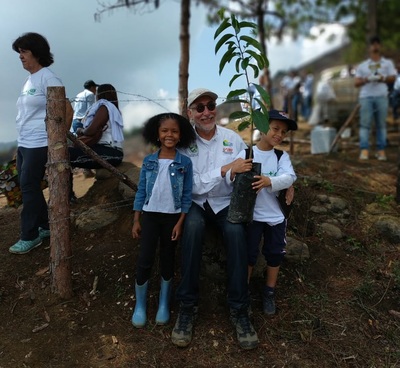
x=183, y=330
x=245, y=332
x=269, y=302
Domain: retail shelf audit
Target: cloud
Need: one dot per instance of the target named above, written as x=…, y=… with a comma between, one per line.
x=136, y=112
x=137, y=53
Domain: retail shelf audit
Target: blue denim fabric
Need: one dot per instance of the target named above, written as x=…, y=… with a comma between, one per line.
x=373, y=108
x=296, y=100
x=181, y=176
x=236, y=256
x=77, y=123
x=395, y=98
x=306, y=107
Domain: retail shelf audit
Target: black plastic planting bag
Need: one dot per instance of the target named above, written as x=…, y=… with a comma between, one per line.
x=243, y=198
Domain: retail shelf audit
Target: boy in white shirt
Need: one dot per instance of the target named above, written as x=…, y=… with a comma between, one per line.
x=268, y=220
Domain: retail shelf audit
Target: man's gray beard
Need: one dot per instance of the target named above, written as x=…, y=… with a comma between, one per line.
x=200, y=127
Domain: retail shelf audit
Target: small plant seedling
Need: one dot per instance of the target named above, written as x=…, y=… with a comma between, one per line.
x=246, y=53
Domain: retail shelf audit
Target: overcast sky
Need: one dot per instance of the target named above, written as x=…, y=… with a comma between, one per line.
x=137, y=53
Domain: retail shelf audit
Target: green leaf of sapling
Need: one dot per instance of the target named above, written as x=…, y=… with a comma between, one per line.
x=239, y=115
x=224, y=25
x=244, y=24
x=236, y=92
x=236, y=76
x=243, y=125
x=251, y=41
x=222, y=40
x=260, y=120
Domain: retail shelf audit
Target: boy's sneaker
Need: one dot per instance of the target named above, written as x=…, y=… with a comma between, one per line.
x=25, y=246
x=245, y=332
x=269, y=303
x=183, y=330
x=44, y=233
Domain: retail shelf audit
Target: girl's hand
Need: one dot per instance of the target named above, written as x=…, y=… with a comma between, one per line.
x=176, y=232
x=261, y=182
x=136, y=230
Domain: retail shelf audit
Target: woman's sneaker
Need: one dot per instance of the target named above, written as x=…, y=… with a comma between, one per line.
x=25, y=246
x=44, y=233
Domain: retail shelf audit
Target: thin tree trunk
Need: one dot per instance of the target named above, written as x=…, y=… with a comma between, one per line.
x=265, y=78
x=398, y=177
x=371, y=18
x=58, y=178
x=184, y=39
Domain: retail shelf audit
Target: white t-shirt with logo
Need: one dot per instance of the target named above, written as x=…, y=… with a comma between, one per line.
x=31, y=106
x=384, y=67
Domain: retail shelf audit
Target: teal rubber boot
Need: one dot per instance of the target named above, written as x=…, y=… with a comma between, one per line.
x=162, y=317
x=139, y=316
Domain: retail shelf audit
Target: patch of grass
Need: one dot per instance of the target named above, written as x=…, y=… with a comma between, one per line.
x=384, y=200
x=354, y=244
x=365, y=290
x=396, y=273
x=328, y=186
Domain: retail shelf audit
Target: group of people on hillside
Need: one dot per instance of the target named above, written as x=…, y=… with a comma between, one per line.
x=184, y=184
x=297, y=94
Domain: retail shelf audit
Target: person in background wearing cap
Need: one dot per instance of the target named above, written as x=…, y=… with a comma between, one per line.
x=372, y=77
x=82, y=102
x=212, y=155
x=268, y=220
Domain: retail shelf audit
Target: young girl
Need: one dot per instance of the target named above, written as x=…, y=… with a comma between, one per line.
x=163, y=198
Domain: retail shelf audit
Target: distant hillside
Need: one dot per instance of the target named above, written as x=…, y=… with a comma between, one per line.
x=7, y=151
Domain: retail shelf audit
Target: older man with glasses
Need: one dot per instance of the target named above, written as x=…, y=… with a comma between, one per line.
x=212, y=156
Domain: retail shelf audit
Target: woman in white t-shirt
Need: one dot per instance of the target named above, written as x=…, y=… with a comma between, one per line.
x=34, y=53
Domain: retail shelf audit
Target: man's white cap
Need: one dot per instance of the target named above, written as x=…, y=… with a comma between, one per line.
x=199, y=92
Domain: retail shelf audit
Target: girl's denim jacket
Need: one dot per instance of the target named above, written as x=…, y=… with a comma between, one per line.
x=180, y=173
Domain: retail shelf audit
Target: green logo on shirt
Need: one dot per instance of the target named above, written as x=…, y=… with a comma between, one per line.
x=193, y=148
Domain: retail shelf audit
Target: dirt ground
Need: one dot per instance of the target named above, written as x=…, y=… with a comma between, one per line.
x=336, y=309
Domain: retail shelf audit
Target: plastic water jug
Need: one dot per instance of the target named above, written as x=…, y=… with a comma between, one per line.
x=321, y=139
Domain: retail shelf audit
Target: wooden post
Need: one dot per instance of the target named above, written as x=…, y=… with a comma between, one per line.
x=398, y=177
x=344, y=126
x=58, y=168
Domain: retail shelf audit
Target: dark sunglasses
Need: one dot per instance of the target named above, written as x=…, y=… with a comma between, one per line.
x=200, y=107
